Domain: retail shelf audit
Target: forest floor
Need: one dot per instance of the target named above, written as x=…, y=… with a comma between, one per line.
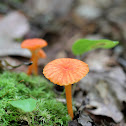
x=100, y=97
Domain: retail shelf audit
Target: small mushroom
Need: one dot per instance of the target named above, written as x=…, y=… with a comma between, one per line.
x=65, y=72
x=34, y=45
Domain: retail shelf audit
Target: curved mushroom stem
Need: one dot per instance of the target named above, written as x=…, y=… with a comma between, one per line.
x=69, y=100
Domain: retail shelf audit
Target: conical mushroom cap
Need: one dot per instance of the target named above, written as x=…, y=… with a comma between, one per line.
x=34, y=43
x=65, y=71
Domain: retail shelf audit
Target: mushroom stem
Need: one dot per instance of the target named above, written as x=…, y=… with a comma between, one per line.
x=69, y=100
x=33, y=68
x=35, y=65
x=29, y=72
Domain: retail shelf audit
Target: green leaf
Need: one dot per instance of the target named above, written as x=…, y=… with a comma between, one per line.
x=84, y=45
x=27, y=105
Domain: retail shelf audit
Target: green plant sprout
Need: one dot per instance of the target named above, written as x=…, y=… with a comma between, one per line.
x=18, y=92
x=82, y=46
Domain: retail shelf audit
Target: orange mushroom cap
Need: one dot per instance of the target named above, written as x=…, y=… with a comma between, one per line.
x=34, y=43
x=65, y=71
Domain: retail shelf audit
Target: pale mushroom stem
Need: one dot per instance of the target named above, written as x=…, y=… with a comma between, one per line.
x=69, y=100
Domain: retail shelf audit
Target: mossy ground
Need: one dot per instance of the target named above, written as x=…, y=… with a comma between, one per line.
x=18, y=86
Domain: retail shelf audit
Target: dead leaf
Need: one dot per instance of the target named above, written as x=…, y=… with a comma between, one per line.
x=106, y=91
x=48, y=7
x=13, y=49
x=73, y=123
x=99, y=60
x=9, y=47
x=85, y=120
x=119, y=75
x=88, y=12
x=108, y=110
x=14, y=25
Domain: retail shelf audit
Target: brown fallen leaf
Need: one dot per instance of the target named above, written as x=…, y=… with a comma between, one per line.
x=48, y=7
x=106, y=91
x=14, y=25
x=99, y=60
x=85, y=120
x=106, y=110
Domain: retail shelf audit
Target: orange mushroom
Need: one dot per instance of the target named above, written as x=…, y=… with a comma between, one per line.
x=65, y=72
x=34, y=45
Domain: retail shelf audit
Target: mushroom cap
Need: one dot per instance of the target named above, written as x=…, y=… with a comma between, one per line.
x=65, y=71
x=34, y=43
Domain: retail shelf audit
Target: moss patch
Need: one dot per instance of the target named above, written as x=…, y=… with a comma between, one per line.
x=17, y=86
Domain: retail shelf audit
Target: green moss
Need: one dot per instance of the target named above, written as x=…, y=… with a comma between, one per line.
x=16, y=86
